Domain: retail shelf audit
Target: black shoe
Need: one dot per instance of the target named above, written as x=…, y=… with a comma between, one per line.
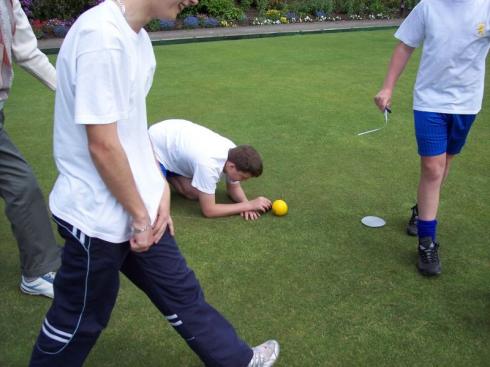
x=412, y=223
x=429, y=263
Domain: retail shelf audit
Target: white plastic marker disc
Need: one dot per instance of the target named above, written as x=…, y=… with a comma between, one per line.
x=373, y=222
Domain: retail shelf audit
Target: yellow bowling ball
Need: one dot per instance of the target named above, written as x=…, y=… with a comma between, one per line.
x=279, y=208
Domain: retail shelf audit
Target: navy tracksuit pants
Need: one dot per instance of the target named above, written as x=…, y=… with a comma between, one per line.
x=86, y=288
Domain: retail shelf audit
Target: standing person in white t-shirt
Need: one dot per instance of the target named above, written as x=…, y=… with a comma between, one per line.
x=448, y=95
x=111, y=202
x=194, y=158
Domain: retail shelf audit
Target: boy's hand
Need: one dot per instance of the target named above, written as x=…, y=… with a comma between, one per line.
x=383, y=99
x=142, y=237
x=163, y=217
x=260, y=204
x=250, y=215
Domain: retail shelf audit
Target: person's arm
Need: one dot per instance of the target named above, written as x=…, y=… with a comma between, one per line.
x=236, y=193
x=399, y=60
x=211, y=209
x=113, y=166
x=25, y=51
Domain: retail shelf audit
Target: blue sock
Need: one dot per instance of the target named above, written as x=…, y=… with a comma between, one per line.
x=427, y=228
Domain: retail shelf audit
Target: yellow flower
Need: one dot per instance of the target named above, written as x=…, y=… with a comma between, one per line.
x=481, y=29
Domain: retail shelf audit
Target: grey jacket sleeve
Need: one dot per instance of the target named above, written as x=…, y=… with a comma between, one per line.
x=25, y=51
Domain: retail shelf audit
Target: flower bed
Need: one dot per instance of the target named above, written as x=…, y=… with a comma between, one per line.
x=220, y=13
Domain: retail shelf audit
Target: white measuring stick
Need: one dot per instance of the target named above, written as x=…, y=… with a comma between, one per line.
x=386, y=111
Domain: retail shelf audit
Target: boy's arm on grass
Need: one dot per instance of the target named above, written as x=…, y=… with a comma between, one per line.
x=211, y=209
x=399, y=60
x=236, y=193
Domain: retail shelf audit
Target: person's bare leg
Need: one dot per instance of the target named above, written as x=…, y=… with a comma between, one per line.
x=183, y=187
x=432, y=174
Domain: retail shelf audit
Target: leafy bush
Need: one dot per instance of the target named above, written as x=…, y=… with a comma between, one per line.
x=153, y=26
x=58, y=9
x=291, y=16
x=273, y=14
x=55, y=27
x=167, y=24
x=37, y=27
x=311, y=6
x=191, y=22
x=376, y=7
x=27, y=7
x=277, y=4
x=223, y=9
x=210, y=22
x=245, y=4
x=261, y=6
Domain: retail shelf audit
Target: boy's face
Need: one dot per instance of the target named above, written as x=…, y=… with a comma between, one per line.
x=234, y=174
x=169, y=9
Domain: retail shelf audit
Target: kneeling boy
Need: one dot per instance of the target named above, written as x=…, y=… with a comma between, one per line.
x=194, y=158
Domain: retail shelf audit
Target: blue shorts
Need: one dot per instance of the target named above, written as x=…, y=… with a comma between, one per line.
x=439, y=133
x=166, y=172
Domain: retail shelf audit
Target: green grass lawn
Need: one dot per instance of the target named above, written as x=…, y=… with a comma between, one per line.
x=332, y=292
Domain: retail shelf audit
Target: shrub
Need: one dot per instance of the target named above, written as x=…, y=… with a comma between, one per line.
x=277, y=4
x=56, y=27
x=292, y=17
x=153, y=26
x=58, y=9
x=273, y=14
x=37, y=28
x=27, y=7
x=191, y=22
x=60, y=31
x=311, y=6
x=261, y=6
x=210, y=22
x=245, y=4
x=222, y=9
x=167, y=24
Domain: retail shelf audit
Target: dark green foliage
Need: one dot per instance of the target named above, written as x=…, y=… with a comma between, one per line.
x=221, y=9
x=60, y=9
x=261, y=6
x=245, y=4
x=153, y=26
x=311, y=6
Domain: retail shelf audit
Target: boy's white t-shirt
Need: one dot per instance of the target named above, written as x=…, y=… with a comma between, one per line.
x=456, y=40
x=105, y=70
x=192, y=151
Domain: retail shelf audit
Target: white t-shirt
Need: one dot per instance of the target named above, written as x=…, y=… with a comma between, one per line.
x=192, y=151
x=105, y=71
x=456, y=38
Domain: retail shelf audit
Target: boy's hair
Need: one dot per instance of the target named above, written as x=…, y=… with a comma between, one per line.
x=246, y=159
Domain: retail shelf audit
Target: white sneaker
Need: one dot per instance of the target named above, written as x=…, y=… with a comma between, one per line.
x=265, y=354
x=42, y=286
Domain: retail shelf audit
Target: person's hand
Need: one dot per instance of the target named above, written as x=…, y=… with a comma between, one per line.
x=250, y=215
x=383, y=99
x=142, y=237
x=260, y=204
x=163, y=219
